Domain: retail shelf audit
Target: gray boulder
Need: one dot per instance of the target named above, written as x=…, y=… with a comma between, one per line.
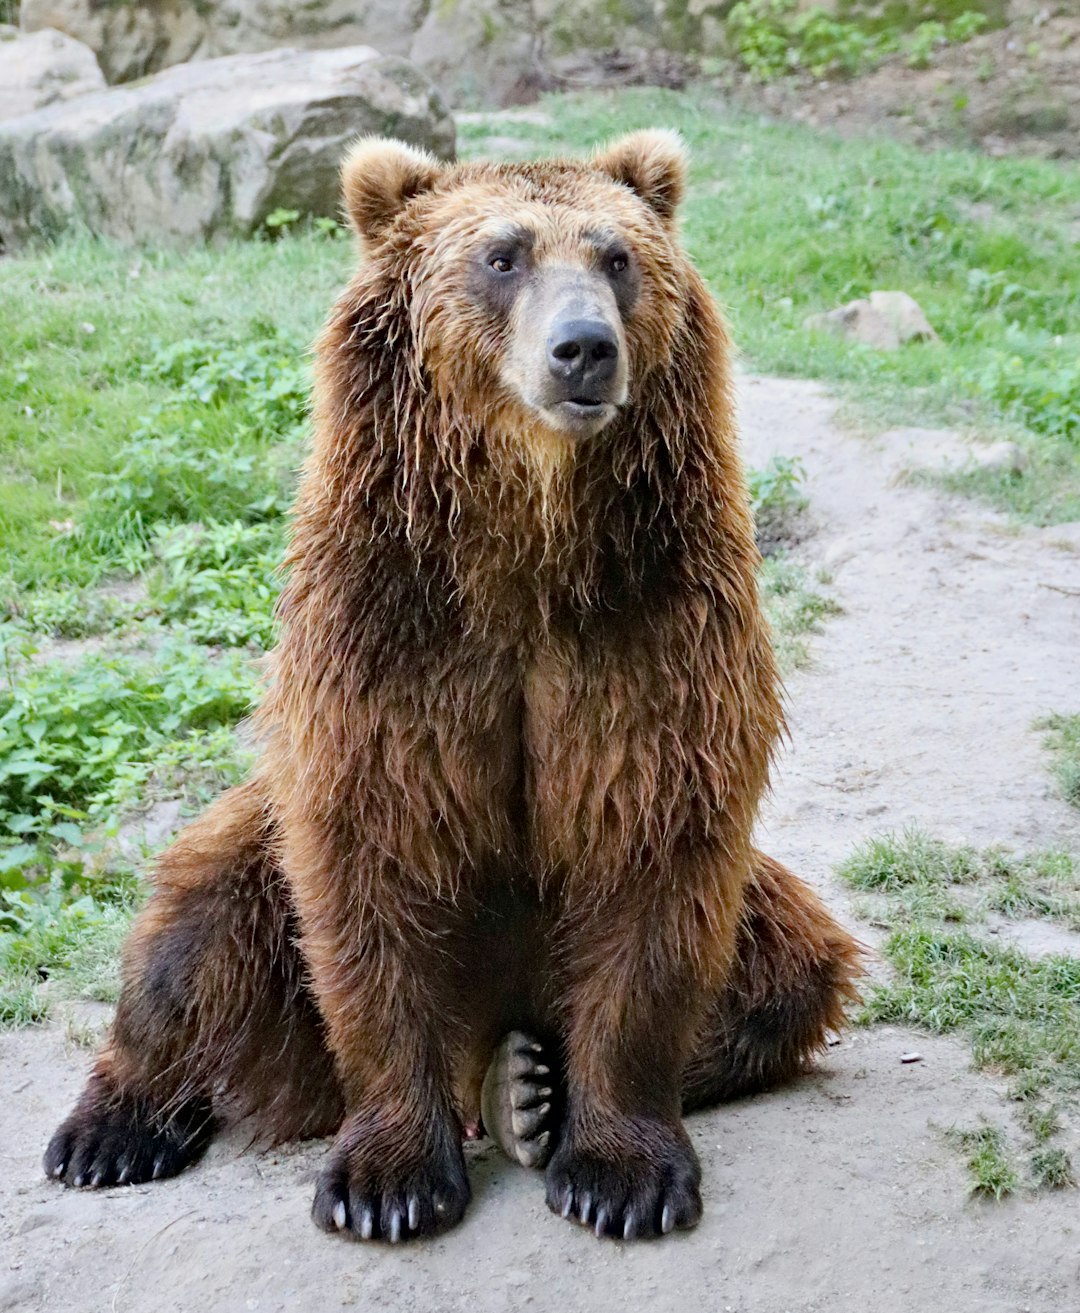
x=129, y=40
x=885, y=321
x=481, y=51
x=38, y=69
x=132, y=40
x=211, y=148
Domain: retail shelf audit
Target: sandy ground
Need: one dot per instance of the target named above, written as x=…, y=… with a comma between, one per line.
x=838, y=1193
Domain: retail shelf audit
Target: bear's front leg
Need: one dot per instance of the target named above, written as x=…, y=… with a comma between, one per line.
x=649, y=747
x=624, y=1164
x=373, y=939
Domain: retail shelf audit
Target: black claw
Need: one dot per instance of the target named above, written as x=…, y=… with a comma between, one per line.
x=630, y=1198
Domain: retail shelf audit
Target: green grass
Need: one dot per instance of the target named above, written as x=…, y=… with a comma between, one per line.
x=96, y=346
x=1020, y=1015
x=986, y=1153
x=1063, y=741
x=795, y=608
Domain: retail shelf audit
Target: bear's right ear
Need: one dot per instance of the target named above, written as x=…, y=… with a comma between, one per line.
x=378, y=177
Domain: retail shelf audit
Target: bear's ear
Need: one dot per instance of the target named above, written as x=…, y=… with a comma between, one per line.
x=651, y=163
x=379, y=177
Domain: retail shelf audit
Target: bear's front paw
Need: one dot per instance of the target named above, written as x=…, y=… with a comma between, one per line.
x=113, y=1139
x=629, y=1196
x=374, y=1192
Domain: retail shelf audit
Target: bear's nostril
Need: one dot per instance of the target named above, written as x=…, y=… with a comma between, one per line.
x=568, y=351
x=604, y=350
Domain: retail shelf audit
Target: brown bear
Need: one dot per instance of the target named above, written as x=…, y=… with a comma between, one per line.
x=519, y=720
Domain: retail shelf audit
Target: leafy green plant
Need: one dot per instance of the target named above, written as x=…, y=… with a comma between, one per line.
x=266, y=376
x=777, y=499
x=220, y=580
x=777, y=37
x=1037, y=383
x=76, y=741
x=281, y=220
x=46, y=933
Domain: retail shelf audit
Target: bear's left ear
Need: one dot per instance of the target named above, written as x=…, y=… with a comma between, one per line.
x=379, y=176
x=651, y=163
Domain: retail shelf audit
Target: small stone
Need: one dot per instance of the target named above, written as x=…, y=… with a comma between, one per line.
x=1000, y=458
x=908, y=1058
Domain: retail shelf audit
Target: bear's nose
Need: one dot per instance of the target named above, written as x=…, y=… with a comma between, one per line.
x=583, y=353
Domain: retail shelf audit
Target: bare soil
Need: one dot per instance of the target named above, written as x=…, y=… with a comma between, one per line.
x=838, y=1193
x=1013, y=91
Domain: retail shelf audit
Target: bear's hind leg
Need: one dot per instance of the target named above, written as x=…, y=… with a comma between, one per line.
x=794, y=971
x=214, y=1015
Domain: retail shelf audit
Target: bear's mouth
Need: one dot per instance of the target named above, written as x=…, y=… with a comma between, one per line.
x=581, y=413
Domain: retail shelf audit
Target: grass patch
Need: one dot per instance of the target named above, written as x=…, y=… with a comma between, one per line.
x=795, y=608
x=920, y=874
x=1052, y=1169
x=986, y=1153
x=1020, y=1015
x=1063, y=741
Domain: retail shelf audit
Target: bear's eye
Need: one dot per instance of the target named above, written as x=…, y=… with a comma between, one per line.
x=502, y=264
x=619, y=264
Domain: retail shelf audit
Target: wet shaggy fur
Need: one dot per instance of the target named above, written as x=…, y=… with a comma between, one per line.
x=521, y=715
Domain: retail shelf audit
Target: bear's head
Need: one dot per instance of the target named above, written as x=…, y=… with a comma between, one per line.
x=539, y=296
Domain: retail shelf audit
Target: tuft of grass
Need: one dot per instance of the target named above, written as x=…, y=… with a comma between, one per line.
x=21, y=1001
x=795, y=609
x=894, y=862
x=992, y=1174
x=1042, y=1122
x=1063, y=741
x=1052, y=1168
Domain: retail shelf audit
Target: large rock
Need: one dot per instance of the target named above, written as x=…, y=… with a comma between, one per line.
x=481, y=51
x=209, y=148
x=37, y=69
x=492, y=52
x=132, y=40
x=885, y=321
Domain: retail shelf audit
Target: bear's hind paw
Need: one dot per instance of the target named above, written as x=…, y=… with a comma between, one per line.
x=518, y=1100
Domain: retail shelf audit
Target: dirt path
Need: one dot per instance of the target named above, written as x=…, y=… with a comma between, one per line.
x=837, y=1194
